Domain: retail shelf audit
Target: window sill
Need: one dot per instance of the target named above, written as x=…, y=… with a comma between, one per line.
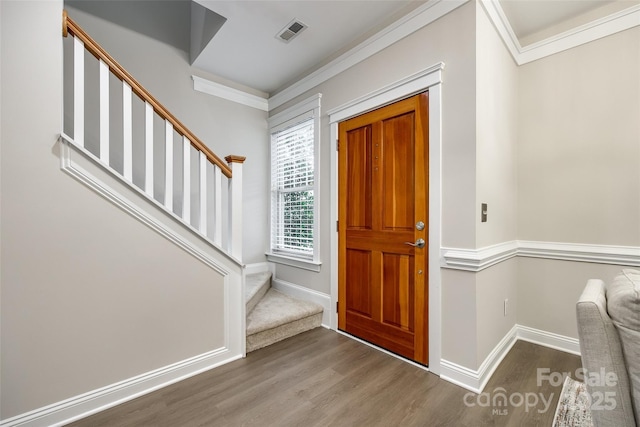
x=295, y=262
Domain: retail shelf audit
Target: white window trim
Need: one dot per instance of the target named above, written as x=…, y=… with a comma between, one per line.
x=309, y=106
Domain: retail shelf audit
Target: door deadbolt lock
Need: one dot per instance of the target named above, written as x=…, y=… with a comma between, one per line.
x=419, y=225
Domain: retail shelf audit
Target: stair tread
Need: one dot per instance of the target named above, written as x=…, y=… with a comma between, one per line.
x=276, y=309
x=253, y=283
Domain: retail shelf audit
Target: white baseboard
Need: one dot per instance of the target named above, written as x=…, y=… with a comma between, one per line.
x=86, y=404
x=308, y=295
x=476, y=380
x=549, y=339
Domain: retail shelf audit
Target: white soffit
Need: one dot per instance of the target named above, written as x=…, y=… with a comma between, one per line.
x=603, y=27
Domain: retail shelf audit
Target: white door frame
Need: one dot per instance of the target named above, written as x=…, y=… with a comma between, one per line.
x=428, y=79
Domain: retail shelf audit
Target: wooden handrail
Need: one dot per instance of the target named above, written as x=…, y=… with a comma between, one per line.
x=70, y=27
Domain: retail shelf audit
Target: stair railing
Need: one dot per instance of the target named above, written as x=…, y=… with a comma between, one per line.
x=232, y=171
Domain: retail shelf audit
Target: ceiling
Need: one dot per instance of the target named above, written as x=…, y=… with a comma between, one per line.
x=247, y=51
x=236, y=39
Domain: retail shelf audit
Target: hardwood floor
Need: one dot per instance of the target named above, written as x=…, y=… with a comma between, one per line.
x=321, y=378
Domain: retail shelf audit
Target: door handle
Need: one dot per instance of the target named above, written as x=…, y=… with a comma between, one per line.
x=418, y=244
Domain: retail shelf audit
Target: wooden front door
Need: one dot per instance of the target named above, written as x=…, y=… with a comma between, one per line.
x=383, y=195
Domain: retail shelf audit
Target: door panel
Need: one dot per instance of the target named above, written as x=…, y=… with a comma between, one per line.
x=359, y=295
x=383, y=182
x=359, y=179
x=397, y=293
x=398, y=177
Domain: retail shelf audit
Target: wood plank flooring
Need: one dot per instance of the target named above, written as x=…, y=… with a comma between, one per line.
x=322, y=378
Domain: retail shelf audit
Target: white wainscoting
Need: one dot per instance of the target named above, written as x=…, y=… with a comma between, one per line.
x=481, y=258
x=476, y=380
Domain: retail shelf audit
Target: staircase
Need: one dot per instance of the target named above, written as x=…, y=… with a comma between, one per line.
x=273, y=316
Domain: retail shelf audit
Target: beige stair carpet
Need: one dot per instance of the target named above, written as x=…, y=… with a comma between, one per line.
x=256, y=286
x=277, y=317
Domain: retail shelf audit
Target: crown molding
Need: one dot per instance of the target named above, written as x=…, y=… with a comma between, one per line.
x=419, y=18
x=611, y=24
x=229, y=93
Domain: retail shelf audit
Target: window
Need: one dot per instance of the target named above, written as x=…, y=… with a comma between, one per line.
x=294, y=185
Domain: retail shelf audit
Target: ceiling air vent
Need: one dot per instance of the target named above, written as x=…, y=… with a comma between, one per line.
x=292, y=29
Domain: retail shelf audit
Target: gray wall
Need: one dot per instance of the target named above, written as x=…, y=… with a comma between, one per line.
x=451, y=40
x=437, y=42
x=551, y=146
x=496, y=182
x=90, y=296
x=564, y=166
x=578, y=174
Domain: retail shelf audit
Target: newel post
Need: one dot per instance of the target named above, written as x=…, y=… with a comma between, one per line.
x=235, y=205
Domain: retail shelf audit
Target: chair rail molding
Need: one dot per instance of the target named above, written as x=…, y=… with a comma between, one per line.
x=481, y=258
x=478, y=259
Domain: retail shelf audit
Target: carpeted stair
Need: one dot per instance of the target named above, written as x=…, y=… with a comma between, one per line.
x=273, y=316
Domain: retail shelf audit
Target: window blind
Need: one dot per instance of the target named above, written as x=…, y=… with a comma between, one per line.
x=292, y=183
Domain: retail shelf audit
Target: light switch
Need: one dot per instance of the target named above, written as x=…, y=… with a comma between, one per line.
x=483, y=212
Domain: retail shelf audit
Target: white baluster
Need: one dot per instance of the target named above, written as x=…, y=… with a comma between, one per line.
x=217, y=207
x=203, y=193
x=186, y=180
x=104, y=112
x=127, y=133
x=235, y=206
x=168, y=166
x=78, y=91
x=148, y=151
